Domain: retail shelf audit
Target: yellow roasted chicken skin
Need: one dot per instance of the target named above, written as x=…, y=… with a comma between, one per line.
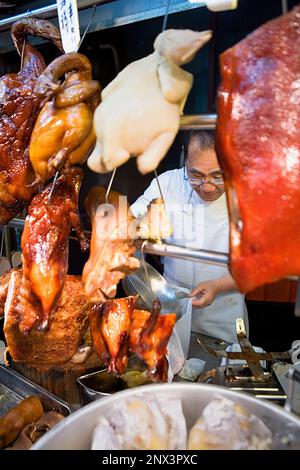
x=63, y=134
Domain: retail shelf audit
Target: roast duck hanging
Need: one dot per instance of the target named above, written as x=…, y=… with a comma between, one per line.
x=45, y=249
x=19, y=108
x=63, y=134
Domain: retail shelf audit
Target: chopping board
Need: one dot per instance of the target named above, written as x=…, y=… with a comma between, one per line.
x=60, y=380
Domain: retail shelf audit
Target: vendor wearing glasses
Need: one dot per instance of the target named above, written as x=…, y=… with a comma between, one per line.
x=195, y=202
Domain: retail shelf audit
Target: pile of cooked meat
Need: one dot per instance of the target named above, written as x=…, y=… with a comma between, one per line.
x=46, y=128
x=52, y=118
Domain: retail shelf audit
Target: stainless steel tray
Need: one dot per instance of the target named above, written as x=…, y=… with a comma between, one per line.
x=14, y=387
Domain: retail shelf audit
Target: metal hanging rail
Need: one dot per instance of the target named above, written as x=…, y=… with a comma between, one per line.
x=109, y=14
x=198, y=121
x=49, y=11
x=177, y=251
x=205, y=256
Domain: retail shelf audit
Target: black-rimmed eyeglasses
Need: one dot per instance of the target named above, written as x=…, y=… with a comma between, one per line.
x=213, y=178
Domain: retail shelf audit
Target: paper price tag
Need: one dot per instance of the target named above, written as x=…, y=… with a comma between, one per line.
x=68, y=24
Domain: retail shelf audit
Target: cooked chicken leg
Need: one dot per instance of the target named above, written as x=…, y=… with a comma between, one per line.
x=19, y=107
x=4, y=283
x=45, y=248
x=99, y=344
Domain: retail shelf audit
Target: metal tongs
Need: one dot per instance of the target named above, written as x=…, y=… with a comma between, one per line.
x=247, y=353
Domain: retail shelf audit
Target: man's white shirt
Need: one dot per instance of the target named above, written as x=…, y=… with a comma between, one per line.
x=202, y=225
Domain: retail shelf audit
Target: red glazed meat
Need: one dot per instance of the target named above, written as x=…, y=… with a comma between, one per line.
x=258, y=145
x=19, y=107
x=45, y=249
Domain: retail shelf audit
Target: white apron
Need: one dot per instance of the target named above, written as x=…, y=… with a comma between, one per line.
x=202, y=225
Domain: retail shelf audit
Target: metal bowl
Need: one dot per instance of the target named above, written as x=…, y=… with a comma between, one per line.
x=99, y=384
x=75, y=432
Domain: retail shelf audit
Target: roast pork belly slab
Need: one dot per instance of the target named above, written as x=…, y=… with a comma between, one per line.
x=258, y=145
x=68, y=324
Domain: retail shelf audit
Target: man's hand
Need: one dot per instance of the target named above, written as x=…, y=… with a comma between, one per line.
x=205, y=294
x=207, y=291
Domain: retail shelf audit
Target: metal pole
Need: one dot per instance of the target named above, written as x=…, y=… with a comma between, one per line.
x=47, y=12
x=176, y=251
x=198, y=121
x=181, y=252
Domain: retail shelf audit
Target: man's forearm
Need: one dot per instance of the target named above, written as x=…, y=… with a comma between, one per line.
x=225, y=284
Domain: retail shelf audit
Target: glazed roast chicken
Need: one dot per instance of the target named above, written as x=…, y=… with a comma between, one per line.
x=110, y=324
x=149, y=336
x=112, y=248
x=63, y=134
x=68, y=322
x=258, y=145
x=45, y=249
x=19, y=108
x=118, y=329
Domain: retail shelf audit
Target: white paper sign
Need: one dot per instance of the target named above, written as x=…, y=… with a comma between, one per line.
x=68, y=24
